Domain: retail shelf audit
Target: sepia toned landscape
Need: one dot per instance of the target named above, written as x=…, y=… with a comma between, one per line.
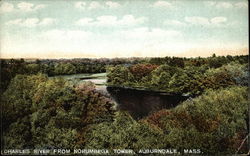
x=124, y=77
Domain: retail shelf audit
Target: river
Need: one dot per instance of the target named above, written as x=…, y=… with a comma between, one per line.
x=139, y=103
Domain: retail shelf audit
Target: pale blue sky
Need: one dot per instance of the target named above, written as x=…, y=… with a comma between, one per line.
x=122, y=28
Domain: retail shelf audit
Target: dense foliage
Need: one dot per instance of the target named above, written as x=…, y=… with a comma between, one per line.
x=214, y=123
x=50, y=112
x=190, y=80
x=11, y=67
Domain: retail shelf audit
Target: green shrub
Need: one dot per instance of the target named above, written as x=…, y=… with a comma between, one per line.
x=213, y=122
x=50, y=113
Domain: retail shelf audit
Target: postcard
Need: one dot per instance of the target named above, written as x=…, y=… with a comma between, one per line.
x=124, y=77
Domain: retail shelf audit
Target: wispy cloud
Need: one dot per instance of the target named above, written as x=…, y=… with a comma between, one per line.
x=162, y=4
x=226, y=5
x=31, y=22
x=209, y=3
x=113, y=28
x=6, y=7
x=80, y=5
x=112, y=5
x=22, y=6
x=96, y=5
x=197, y=20
x=103, y=21
x=117, y=43
x=241, y=5
x=174, y=23
x=218, y=21
x=27, y=7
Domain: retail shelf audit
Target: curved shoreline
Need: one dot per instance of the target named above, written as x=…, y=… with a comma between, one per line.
x=146, y=90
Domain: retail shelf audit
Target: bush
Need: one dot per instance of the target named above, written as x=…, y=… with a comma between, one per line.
x=213, y=122
x=125, y=133
x=50, y=113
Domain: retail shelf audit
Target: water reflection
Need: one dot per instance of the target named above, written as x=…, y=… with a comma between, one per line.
x=140, y=103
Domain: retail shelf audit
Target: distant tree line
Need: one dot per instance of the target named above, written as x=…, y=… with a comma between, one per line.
x=51, y=67
x=11, y=67
x=182, y=76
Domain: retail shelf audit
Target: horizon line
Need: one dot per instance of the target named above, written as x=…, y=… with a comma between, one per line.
x=68, y=58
